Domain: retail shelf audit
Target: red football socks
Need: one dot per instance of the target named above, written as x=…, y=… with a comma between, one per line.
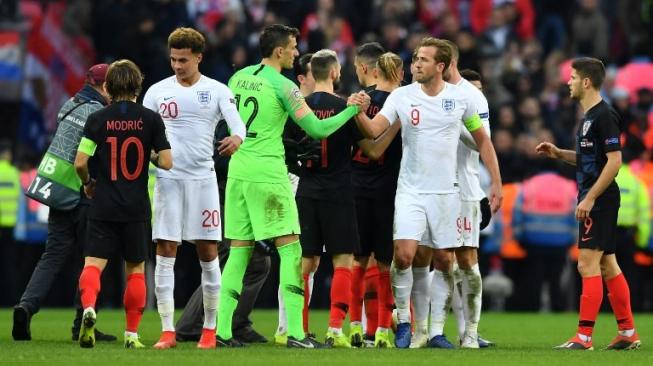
x=619, y=296
x=89, y=285
x=372, y=299
x=386, y=301
x=340, y=296
x=590, y=304
x=134, y=300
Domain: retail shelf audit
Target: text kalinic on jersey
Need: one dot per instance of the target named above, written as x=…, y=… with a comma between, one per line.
x=249, y=85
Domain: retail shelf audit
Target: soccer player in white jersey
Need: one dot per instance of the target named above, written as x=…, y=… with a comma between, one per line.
x=471, y=195
x=186, y=201
x=431, y=112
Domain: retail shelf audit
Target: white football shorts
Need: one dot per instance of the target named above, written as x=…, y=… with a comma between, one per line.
x=431, y=219
x=187, y=210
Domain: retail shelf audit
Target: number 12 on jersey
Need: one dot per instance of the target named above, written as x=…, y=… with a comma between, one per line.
x=249, y=100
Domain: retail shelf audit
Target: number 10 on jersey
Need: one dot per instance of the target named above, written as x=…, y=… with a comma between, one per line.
x=124, y=147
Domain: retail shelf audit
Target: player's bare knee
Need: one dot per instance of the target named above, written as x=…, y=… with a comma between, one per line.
x=95, y=262
x=443, y=260
x=207, y=251
x=361, y=261
x=310, y=264
x=609, y=267
x=166, y=248
x=131, y=267
x=466, y=257
x=588, y=268
x=343, y=260
x=422, y=260
x=403, y=259
x=286, y=239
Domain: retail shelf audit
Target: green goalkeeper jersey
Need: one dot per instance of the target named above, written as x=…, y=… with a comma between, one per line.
x=265, y=99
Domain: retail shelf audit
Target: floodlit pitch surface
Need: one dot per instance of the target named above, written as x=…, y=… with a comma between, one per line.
x=522, y=339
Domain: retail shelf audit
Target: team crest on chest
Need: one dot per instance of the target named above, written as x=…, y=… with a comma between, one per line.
x=204, y=97
x=586, y=126
x=448, y=105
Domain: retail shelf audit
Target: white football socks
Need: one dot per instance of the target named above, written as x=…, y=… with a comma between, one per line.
x=456, y=301
x=164, y=286
x=441, y=290
x=211, y=279
x=472, y=293
x=420, y=296
x=402, y=284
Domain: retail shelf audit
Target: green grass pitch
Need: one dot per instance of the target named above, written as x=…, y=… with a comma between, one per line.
x=522, y=339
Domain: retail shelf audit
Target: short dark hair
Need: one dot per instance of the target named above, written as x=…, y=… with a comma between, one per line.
x=302, y=64
x=471, y=75
x=591, y=68
x=124, y=80
x=182, y=38
x=322, y=62
x=275, y=35
x=370, y=52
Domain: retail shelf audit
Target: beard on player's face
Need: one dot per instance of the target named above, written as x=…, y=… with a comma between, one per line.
x=423, y=77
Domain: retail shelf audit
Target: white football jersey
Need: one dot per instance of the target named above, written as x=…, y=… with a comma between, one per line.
x=430, y=130
x=191, y=115
x=468, y=156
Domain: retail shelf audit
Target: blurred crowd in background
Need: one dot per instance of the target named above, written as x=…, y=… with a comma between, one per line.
x=522, y=48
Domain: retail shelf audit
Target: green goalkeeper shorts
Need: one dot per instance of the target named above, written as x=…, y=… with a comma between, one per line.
x=258, y=211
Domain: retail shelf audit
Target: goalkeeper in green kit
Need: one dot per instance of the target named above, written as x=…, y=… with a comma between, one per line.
x=259, y=202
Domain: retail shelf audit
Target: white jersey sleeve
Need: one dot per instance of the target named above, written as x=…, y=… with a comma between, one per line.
x=389, y=110
x=149, y=100
x=468, y=157
x=480, y=104
x=227, y=107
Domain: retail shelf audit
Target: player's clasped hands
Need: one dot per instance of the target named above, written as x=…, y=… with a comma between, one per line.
x=228, y=145
x=360, y=99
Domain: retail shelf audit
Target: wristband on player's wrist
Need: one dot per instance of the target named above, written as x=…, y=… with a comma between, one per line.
x=154, y=159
